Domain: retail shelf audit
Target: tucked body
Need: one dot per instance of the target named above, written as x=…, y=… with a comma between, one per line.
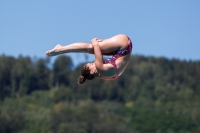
x=119, y=47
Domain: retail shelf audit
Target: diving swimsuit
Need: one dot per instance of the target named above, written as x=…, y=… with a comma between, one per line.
x=117, y=54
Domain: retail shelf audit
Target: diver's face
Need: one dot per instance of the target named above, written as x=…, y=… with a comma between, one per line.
x=92, y=67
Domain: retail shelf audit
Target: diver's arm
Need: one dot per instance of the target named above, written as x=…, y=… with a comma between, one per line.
x=98, y=55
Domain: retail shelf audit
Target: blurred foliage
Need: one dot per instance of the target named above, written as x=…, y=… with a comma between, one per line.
x=153, y=95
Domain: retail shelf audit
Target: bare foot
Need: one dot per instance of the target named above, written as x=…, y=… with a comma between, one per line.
x=54, y=51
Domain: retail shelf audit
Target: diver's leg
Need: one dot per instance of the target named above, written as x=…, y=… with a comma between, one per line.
x=107, y=46
x=110, y=45
x=79, y=47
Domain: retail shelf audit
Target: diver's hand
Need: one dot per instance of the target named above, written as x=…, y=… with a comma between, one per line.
x=95, y=41
x=99, y=40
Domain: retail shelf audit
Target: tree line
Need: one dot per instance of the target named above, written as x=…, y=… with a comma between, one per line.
x=154, y=94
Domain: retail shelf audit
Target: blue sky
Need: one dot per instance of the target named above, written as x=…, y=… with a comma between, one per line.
x=169, y=28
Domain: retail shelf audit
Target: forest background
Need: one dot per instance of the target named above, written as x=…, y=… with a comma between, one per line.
x=154, y=95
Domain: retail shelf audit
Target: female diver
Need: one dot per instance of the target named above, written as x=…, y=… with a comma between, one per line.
x=119, y=46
